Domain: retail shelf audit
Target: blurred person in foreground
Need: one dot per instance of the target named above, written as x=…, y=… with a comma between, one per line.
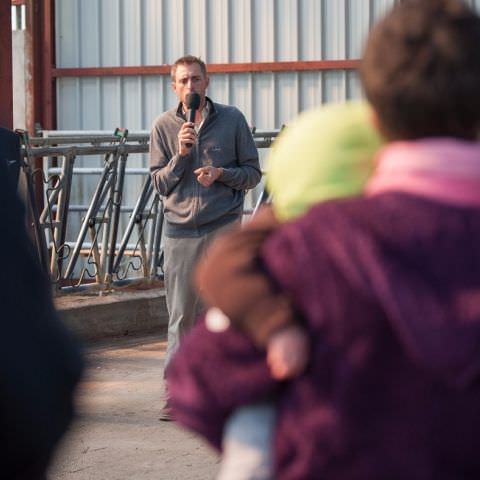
x=386, y=284
x=201, y=169
x=334, y=147
x=10, y=153
x=40, y=362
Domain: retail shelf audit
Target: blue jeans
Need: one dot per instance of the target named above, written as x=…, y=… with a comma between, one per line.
x=247, y=444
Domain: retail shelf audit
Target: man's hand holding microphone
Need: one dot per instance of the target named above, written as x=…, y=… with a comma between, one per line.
x=187, y=137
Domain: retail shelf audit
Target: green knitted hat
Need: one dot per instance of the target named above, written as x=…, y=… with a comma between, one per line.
x=323, y=154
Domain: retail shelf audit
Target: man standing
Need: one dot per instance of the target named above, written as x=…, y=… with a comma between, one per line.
x=201, y=169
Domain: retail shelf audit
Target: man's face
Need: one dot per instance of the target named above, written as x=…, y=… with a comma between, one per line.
x=190, y=79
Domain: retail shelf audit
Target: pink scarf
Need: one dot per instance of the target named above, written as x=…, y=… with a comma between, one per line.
x=443, y=169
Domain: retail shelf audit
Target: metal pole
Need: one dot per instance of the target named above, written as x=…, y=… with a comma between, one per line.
x=61, y=217
x=135, y=217
x=117, y=201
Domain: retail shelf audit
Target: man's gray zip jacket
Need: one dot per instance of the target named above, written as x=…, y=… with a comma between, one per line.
x=225, y=141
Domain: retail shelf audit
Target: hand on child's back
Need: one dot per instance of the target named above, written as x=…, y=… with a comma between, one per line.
x=288, y=352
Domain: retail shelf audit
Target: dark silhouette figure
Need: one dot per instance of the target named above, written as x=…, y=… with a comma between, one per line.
x=40, y=362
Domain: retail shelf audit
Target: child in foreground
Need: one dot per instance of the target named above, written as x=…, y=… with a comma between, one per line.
x=323, y=154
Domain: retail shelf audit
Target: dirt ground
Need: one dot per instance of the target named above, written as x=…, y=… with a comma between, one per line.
x=117, y=434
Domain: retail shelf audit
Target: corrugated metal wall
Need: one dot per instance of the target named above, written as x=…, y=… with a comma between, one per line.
x=106, y=33
x=119, y=33
x=96, y=33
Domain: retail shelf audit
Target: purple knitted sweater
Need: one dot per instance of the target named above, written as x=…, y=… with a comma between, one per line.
x=390, y=289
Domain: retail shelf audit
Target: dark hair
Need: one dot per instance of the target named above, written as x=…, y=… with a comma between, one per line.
x=421, y=70
x=188, y=60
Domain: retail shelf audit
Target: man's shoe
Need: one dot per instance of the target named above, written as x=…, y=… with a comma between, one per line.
x=166, y=413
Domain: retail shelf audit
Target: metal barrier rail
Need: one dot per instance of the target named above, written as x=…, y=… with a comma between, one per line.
x=111, y=257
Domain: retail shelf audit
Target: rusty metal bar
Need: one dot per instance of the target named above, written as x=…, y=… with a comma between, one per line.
x=213, y=68
x=6, y=75
x=48, y=59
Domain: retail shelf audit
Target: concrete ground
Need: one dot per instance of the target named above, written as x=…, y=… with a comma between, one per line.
x=118, y=435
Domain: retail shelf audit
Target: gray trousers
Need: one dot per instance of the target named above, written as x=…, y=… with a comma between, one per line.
x=183, y=303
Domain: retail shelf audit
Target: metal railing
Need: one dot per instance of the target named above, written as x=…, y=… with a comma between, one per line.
x=98, y=252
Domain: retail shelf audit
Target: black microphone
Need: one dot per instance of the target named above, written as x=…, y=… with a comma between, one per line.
x=192, y=102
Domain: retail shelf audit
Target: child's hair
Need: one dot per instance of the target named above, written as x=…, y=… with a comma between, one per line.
x=323, y=154
x=421, y=70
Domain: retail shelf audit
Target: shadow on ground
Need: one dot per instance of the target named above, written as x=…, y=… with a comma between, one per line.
x=117, y=434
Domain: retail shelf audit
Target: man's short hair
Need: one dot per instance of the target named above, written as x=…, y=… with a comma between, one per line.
x=421, y=70
x=188, y=60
